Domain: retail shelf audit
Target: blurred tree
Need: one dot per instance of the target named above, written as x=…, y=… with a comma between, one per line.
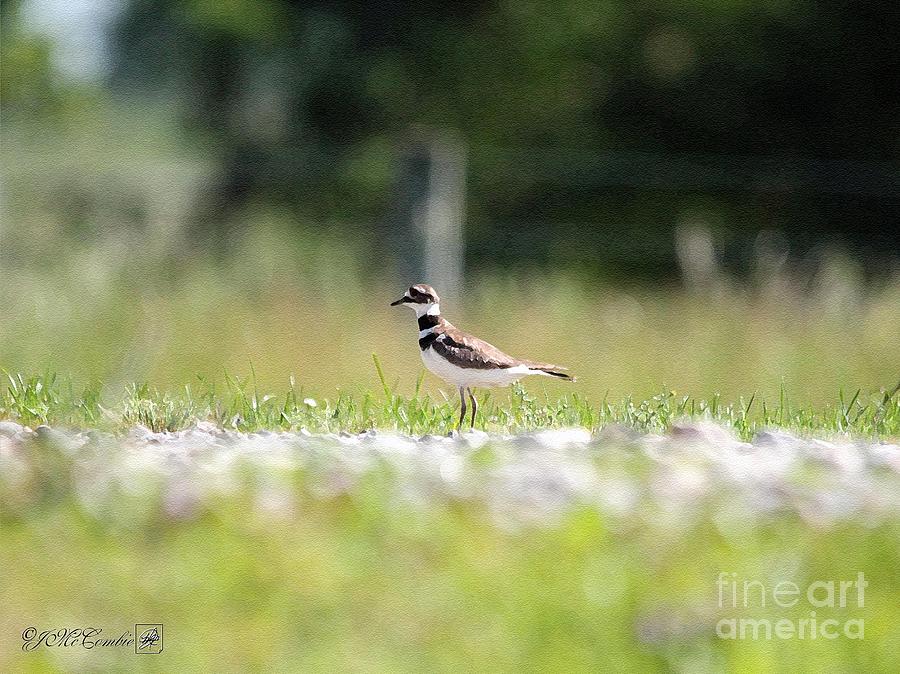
x=596, y=127
x=26, y=86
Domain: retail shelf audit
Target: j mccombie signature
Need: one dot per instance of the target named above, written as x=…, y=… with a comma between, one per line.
x=69, y=637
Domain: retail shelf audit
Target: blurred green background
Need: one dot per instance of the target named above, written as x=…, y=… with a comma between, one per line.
x=693, y=196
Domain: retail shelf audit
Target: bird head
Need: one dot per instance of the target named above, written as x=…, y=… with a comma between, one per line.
x=421, y=298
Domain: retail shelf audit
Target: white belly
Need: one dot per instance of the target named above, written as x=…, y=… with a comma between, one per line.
x=465, y=376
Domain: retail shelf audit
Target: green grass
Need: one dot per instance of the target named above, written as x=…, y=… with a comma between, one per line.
x=239, y=404
x=365, y=578
x=350, y=584
x=362, y=580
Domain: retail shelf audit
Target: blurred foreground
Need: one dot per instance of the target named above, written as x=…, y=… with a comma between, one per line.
x=550, y=551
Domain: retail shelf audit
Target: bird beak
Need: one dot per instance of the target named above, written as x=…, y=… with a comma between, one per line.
x=400, y=301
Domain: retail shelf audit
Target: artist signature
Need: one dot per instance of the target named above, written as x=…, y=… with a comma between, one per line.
x=145, y=638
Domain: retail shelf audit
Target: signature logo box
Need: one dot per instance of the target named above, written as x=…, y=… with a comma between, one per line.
x=148, y=638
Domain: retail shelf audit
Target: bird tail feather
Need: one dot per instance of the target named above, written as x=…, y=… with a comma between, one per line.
x=551, y=370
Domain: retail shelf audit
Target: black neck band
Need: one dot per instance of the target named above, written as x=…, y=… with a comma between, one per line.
x=428, y=321
x=427, y=341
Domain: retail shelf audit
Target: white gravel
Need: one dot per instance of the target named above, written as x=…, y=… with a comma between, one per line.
x=523, y=479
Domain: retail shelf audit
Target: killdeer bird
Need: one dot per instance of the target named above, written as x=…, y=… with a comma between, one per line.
x=461, y=359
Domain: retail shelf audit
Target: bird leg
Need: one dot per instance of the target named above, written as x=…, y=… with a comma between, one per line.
x=474, y=406
x=462, y=411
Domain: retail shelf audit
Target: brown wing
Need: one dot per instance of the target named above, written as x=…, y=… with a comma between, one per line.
x=470, y=352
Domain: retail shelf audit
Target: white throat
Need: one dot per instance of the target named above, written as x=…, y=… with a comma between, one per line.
x=430, y=309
